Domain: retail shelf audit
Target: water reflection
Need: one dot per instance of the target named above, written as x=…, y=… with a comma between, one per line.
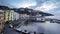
x=46, y=28
x=50, y=28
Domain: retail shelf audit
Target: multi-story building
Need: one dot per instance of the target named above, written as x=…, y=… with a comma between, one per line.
x=1, y=19
x=1, y=15
x=10, y=15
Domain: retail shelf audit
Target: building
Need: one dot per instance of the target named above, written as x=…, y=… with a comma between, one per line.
x=32, y=15
x=10, y=15
x=1, y=15
x=1, y=19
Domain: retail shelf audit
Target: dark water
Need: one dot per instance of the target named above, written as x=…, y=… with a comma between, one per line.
x=46, y=28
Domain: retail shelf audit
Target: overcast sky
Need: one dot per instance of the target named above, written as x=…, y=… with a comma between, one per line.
x=49, y=6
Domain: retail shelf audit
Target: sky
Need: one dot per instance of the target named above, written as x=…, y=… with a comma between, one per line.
x=49, y=6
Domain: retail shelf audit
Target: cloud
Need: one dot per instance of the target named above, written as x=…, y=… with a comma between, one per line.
x=50, y=6
x=46, y=7
x=24, y=3
x=18, y=3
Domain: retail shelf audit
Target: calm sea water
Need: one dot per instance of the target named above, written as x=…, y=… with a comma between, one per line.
x=46, y=28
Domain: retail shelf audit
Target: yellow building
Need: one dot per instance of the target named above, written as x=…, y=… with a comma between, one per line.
x=6, y=15
x=9, y=15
